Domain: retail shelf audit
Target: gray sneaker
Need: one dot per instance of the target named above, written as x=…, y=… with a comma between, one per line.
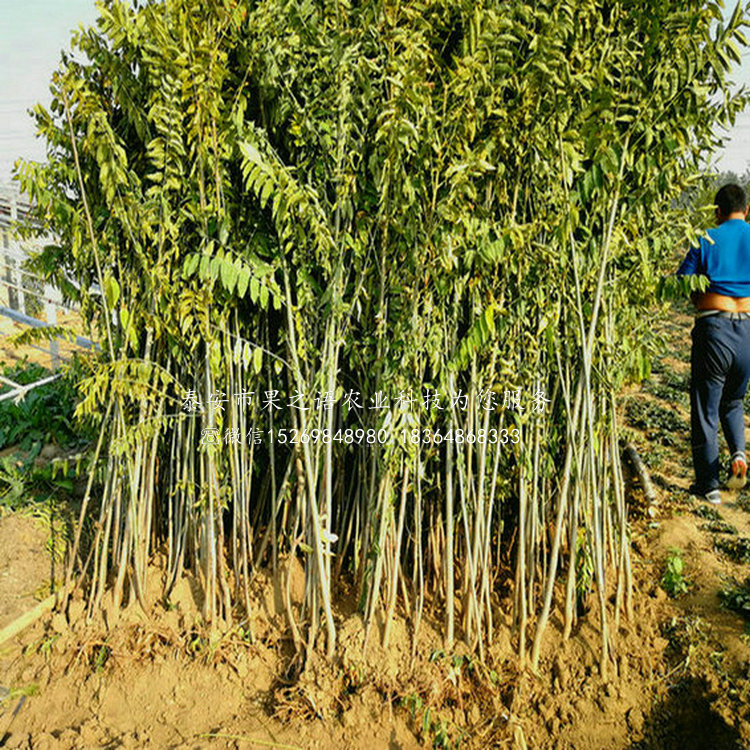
x=713, y=497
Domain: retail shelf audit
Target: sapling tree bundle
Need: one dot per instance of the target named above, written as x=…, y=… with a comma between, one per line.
x=366, y=279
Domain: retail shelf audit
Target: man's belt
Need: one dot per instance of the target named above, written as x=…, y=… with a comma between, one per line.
x=723, y=314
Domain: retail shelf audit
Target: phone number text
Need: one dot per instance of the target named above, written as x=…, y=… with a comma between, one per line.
x=416, y=436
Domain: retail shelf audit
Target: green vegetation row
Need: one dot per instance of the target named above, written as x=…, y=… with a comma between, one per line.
x=450, y=197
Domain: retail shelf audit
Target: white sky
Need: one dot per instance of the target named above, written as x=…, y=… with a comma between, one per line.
x=33, y=32
x=736, y=155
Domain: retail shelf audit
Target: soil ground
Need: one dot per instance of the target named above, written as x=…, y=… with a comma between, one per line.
x=39, y=352
x=680, y=675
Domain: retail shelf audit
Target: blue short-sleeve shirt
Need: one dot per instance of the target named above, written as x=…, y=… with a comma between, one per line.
x=726, y=261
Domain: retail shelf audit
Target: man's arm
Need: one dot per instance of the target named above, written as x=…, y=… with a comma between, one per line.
x=691, y=265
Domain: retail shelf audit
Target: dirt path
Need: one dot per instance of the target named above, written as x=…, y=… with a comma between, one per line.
x=708, y=646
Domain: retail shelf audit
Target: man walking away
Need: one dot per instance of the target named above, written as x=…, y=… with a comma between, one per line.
x=720, y=356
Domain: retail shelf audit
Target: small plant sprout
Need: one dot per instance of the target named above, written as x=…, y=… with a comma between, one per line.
x=673, y=581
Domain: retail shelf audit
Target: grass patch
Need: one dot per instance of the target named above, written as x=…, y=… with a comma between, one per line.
x=738, y=549
x=672, y=390
x=719, y=527
x=658, y=423
x=736, y=597
x=707, y=512
x=44, y=414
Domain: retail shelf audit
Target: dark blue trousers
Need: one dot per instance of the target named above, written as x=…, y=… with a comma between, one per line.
x=720, y=368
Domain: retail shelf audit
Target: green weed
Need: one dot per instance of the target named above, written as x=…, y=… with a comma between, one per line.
x=99, y=658
x=659, y=423
x=707, y=512
x=431, y=726
x=42, y=646
x=27, y=690
x=738, y=549
x=673, y=581
x=44, y=414
x=736, y=597
x=719, y=527
x=672, y=390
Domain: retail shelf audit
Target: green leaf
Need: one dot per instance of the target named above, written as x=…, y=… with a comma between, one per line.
x=243, y=279
x=190, y=265
x=228, y=274
x=111, y=291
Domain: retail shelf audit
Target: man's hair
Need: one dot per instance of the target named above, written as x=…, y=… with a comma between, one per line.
x=729, y=199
